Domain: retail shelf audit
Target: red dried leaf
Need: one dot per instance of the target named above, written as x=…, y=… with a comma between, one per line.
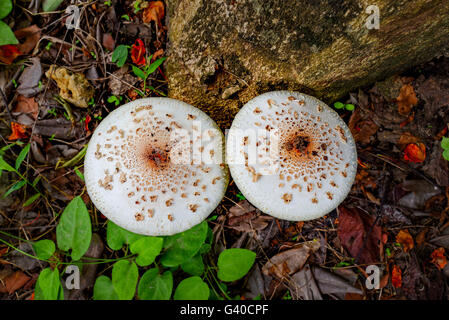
x=405, y=239
x=138, y=52
x=8, y=53
x=415, y=152
x=353, y=228
x=18, y=131
x=396, y=277
x=154, y=12
x=438, y=258
x=86, y=122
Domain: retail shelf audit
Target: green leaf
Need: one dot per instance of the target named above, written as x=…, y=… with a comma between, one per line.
x=234, y=263
x=147, y=248
x=51, y=5
x=5, y=166
x=155, y=286
x=446, y=155
x=74, y=230
x=138, y=72
x=124, y=279
x=349, y=107
x=15, y=187
x=116, y=236
x=31, y=199
x=79, y=174
x=48, y=286
x=22, y=155
x=445, y=143
x=192, y=288
x=120, y=55
x=155, y=65
x=183, y=246
x=5, y=8
x=44, y=249
x=104, y=290
x=338, y=105
x=194, y=266
x=6, y=35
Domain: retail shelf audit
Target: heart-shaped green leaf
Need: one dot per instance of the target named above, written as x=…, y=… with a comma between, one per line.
x=192, y=288
x=183, y=246
x=116, y=236
x=155, y=286
x=104, y=290
x=147, y=248
x=124, y=279
x=48, y=286
x=74, y=230
x=234, y=263
x=44, y=248
x=194, y=266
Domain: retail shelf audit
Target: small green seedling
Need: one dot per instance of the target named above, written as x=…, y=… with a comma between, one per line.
x=340, y=105
x=445, y=146
x=120, y=55
x=115, y=100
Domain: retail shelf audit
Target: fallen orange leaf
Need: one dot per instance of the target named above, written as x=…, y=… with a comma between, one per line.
x=405, y=239
x=406, y=99
x=396, y=277
x=415, y=152
x=18, y=131
x=27, y=105
x=14, y=282
x=438, y=258
x=154, y=12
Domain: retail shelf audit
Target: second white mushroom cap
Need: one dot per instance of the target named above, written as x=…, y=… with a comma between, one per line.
x=291, y=155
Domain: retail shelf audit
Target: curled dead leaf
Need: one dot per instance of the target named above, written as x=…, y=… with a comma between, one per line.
x=154, y=12
x=438, y=258
x=396, y=277
x=415, y=152
x=406, y=99
x=405, y=239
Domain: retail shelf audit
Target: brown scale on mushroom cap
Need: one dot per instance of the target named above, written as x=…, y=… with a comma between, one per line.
x=316, y=158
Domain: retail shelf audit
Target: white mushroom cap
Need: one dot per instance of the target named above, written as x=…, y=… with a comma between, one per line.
x=291, y=155
x=155, y=166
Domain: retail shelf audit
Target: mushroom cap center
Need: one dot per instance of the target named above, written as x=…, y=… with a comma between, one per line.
x=157, y=158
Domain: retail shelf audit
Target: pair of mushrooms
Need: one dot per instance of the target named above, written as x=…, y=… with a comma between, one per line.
x=156, y=166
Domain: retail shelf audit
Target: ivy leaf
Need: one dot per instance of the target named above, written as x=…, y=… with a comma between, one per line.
x=192, y=288
x=104, y=290
x=124, y=279
x=445, y=143
x=234, y=263
x=183, y=246
x=44, y=248
x=155, y=286
x=116, y=236
x=147, y=248
x=120, y=55
x=48, y=286
x=194, y=266
x=6, y=35
x=22, y=155
x=446, y=154
x=5, y=8
x=74, y=230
